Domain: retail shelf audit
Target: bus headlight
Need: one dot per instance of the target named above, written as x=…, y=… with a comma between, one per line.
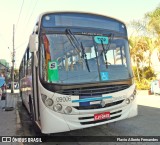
x=57, y=107
x=127, y=101
x=68, y=110
x=49, y=102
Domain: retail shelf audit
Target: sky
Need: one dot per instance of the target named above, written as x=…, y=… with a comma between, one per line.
x=23, y=15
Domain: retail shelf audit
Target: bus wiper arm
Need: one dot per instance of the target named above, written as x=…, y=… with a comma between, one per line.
x=84, y=56
x=77, y=46
x=109, y=43
x=73, y=40
x=105, y=50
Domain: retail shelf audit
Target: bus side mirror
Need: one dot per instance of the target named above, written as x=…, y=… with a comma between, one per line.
x=33, y=43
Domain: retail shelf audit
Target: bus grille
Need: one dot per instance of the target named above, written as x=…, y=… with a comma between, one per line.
x=97, y=106
x=98, y=121
x=94, y=90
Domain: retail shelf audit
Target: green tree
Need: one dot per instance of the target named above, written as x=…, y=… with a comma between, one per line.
x=133, y=43
x=142, y=45
x=153, y=26
x=141, y=49
x=154, y=21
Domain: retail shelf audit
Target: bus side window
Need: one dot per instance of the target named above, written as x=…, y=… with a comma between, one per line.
x=23, y=67
x=21, y=71
x=29, y=64
x=27, y=58
x=25, y=64
x=42, y=62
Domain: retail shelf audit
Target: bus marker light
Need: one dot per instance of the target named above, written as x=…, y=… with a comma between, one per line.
x=57, y=107
x=49, y=102
x=68, y=110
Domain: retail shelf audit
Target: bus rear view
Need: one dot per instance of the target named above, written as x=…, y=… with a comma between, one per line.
x=84, y=75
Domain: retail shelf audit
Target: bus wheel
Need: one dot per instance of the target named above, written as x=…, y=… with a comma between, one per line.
x=22, y=99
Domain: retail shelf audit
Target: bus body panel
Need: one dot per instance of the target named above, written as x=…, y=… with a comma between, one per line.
x=26, y=90
x=53, y=122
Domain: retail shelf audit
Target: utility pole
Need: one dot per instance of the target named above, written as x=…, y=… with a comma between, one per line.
x=13, y=60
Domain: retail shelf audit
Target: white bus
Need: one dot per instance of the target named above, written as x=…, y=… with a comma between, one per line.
x=76, y=72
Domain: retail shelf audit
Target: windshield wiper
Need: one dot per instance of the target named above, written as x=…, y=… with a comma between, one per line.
x=73, y=40
x=84, y=56
x=105, y=50
x=77, y=46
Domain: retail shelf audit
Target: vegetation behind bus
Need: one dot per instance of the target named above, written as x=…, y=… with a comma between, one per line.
x=142, y=45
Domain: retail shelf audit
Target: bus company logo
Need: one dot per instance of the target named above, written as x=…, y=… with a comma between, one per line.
x=6, y=139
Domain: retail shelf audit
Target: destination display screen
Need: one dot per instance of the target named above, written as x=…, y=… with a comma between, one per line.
x=82, y=20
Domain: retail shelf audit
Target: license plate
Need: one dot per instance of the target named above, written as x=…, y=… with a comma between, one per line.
x=101, y=116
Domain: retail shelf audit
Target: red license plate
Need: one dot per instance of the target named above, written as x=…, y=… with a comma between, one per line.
x=102, y=116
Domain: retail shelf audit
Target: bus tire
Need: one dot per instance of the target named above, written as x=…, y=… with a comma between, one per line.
x=22, y=99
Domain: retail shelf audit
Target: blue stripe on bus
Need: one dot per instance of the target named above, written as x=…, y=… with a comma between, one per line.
x=91, y=99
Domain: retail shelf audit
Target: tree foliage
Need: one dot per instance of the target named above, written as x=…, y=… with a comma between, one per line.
x=154, y=21
x=142, y=45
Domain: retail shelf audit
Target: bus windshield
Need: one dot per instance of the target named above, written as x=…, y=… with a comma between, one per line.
x=80, y=58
